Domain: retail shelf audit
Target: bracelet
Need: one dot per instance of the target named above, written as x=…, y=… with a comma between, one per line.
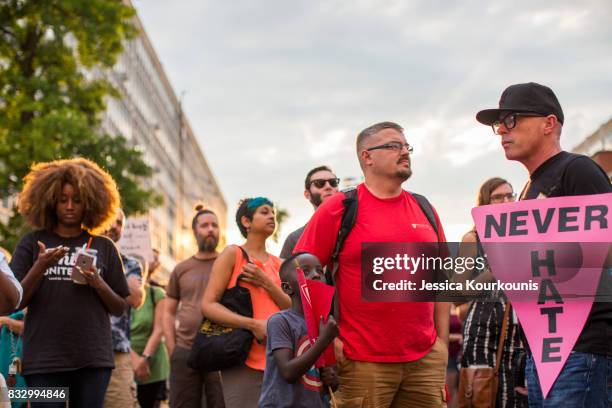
x=146, y=357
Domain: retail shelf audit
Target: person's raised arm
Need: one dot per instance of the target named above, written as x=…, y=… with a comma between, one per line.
x=114, y=303
x=255, y=276
x=292, y=367
x=46, y=259
x=215, y=311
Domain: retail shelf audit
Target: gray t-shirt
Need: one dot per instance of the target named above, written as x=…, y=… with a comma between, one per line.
x=287, y=329
x=290, y=242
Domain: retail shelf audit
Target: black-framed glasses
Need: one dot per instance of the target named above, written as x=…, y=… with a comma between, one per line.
x=509, y=121
x=498, y=198
x=320, y=183
x=396, y=146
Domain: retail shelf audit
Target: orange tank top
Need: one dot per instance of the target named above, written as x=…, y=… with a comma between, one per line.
x=263, y=305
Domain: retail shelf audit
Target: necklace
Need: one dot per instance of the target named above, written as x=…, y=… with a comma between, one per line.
x=15, y=367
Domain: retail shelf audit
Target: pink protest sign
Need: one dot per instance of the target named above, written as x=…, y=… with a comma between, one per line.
x=561, y=245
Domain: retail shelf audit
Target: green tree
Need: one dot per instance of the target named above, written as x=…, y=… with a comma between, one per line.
x=52, y=94
x=281, y=216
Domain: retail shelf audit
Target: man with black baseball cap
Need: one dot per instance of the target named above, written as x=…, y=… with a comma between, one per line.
x=531, y=98
x=529, y=121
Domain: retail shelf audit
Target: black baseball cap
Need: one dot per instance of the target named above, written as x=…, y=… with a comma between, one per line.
x=525, y=98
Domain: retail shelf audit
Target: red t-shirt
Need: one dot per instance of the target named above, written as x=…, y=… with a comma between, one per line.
x=374, y=331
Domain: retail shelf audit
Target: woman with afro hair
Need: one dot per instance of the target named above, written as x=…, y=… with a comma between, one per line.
x=67, y=338
x=258, y=270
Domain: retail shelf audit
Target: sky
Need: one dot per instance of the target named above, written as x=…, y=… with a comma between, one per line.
x=274, y=88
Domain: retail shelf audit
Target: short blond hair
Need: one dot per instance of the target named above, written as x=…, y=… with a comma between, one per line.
x=371, y=131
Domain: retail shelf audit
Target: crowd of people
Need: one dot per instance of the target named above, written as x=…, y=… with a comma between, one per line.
x=82, y=315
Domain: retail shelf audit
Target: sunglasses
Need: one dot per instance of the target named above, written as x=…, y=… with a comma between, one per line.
x=320, y=183
x=509, y=121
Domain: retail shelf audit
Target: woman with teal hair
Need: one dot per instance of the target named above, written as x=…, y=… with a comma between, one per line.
x=258, y=271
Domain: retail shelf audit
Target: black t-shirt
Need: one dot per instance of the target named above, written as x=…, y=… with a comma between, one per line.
x=67, y=326
x=568, y=174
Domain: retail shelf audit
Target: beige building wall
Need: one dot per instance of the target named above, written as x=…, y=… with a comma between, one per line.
x=150, y=116
x=599, y=147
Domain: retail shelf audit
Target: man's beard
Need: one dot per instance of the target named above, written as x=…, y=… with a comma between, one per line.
x=208, y=243
x=315, y=199
x=404, y=174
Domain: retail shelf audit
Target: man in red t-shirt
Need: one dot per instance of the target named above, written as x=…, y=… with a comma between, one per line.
x=395, y=354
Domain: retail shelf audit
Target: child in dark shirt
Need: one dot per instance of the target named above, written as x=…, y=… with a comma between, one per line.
x=290, y=378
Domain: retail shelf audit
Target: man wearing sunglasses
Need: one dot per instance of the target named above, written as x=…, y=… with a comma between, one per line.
x=529, y=121
x=395, y=354
x=320, y=184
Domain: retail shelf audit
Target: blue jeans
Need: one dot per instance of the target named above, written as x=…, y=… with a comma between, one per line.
x=87, y=386
x=584, y=382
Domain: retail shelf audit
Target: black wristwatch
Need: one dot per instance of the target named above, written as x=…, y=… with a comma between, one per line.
x=146, y=357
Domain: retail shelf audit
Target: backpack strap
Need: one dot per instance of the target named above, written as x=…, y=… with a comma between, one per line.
x=428, y=210
x=244, y=254
x=349, y=216
x=152, y=295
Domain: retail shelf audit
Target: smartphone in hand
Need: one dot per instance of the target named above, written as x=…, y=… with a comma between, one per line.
x=84, y=261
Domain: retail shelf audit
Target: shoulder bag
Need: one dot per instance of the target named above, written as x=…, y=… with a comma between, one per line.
x=218, y=347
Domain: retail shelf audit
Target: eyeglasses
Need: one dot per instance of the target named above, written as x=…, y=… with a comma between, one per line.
x=498, y=198
x=320, y=183
x=509, y=121
x=397, y=146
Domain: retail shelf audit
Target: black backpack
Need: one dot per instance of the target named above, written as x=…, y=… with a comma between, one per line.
x=349, y=216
